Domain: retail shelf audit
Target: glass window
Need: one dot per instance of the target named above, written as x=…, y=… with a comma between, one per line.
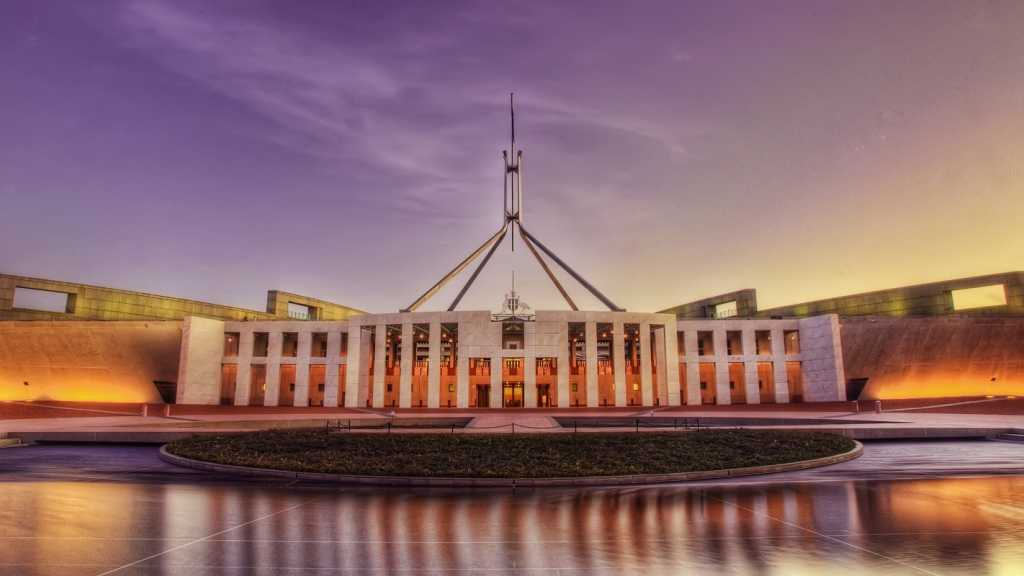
x=734, y=342
x=290, y=344
x=260, y=344
x=343, y=353
x=725, y=309
x=705, y=343
x=231, y=343
x=792, y=340
x=319, y=345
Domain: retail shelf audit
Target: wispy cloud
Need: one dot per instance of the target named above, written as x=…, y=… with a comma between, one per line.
x=345, y=104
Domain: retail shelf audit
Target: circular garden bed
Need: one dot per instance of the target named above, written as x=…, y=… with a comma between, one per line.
x=518, y=456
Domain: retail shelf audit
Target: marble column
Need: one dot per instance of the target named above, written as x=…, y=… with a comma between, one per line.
x=274, y=342
x=356, y=361
x=563, y=366
x=244, y=374
x=332, y=385
x=619, y=361
x=593, y=391
x=671, y=355
x=462, y=372
x=723, y=394
x=405, y=370
x=779, y=366
x=496, y=367
x=379, y=367
x=646, y=384
x=434, y=367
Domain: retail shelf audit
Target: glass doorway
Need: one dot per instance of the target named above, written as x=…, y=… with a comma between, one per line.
x=483, y=395
x=544, y=396
x=512, y=394
x=512, y=383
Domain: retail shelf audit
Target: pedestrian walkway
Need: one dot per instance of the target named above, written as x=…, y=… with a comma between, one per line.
x=505, y=423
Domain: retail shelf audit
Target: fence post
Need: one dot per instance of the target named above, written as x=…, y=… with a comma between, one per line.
x=389, y=426
x=573, y=426
x=513, y=427
x=636, y=424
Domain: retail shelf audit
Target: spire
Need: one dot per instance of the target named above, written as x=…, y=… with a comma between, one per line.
x=512, y=218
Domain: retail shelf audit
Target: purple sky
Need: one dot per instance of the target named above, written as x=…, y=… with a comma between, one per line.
x=351, y=151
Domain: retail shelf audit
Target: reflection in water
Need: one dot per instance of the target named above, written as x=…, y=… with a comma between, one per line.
x=950, y=526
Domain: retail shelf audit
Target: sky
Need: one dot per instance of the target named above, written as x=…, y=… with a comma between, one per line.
x=351, y=150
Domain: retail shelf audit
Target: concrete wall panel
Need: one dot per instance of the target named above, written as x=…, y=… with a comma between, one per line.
x=87, y=361
x=934, y=357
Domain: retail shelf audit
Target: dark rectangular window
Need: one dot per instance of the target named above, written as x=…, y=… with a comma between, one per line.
x=231, y=344
x=705, y=343
x=319, y=345
x=734, y=342
x=260, y=344
x=290, y=344
x=763, y=341
x=792, y=340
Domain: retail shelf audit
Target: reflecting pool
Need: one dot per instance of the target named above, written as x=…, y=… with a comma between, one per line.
x=967, y=526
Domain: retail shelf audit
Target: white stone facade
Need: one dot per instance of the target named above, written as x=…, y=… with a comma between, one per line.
x=803, y=355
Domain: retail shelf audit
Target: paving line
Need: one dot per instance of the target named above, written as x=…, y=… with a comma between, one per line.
x=946, y=405
x=90, y=410
x=826, y=536
x=198, y=540
x=544, y=541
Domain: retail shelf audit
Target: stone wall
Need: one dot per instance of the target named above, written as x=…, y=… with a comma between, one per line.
x=933, y=299
x=87, y=361
x=100, y=303
x=934, y=357
x=822, y=354
x=746, y=305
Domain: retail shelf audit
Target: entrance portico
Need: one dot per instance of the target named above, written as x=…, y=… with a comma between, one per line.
x=467, y=359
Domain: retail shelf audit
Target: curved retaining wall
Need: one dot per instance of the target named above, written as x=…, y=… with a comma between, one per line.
x=631, y=480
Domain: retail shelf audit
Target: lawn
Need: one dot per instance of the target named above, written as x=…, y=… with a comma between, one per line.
x=507, y=455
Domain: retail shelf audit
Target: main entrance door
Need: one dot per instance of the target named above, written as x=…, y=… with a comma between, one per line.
x=512, y=394
x=512, y=383
x=543, y=395
x=483, y=395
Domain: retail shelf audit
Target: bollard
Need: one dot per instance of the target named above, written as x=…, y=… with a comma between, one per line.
x=145, y=410
x=878, y=406
x=167, y=410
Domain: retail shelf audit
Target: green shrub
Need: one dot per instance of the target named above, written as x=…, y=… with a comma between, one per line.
x=510, y=456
